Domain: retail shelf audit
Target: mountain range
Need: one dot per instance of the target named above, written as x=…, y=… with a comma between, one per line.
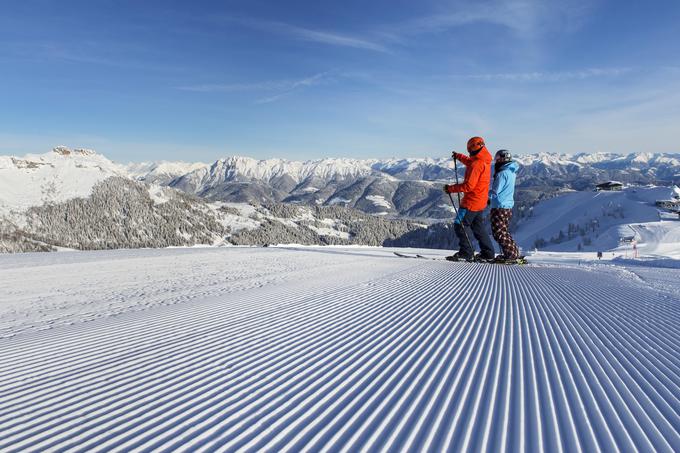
x=77, y=198
x=399, y=187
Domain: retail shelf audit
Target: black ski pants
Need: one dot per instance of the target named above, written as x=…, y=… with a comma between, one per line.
x=472, y=223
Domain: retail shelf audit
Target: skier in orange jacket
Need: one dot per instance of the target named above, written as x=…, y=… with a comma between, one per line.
x=475, y=189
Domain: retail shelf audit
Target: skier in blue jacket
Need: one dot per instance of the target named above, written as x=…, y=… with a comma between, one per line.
x=502, y=200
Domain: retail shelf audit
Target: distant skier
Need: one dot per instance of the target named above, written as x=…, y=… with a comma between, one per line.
x=475, y=189
x=502, y=200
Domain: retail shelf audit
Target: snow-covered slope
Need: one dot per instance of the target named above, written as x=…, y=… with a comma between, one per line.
x=80, y=199
x=56, y=176
x=332, y=350
x=65, y=173
x=589, y=220
x=655, y=239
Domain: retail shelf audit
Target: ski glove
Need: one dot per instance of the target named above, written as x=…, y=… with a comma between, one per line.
x=457, y=156
x=448, y=188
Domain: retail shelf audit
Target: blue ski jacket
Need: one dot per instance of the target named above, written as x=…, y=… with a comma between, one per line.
x=503, y=189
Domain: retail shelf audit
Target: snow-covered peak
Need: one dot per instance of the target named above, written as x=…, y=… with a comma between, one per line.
x=603, y=160
x=61, y=157
x=666, y=159
x=161, y=172
x=632, y=159
x=239, y=167
x=547, y=159
x=55, y=176
x=66, y=151
x=411, y=164
x=642, y=158
x=335, y=167
x=593, y=158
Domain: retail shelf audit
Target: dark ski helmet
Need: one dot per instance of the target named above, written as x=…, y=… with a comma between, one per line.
x=475, y=144
x=502, y=156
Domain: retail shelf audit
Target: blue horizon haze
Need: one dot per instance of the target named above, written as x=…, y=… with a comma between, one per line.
x=169, y=80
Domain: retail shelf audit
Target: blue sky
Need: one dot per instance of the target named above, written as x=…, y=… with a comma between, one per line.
x=199, y=80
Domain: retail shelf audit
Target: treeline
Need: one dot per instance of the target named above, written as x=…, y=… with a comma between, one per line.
x=15, y=240
x=436, y=236
x=360, y=228
x=120, y=213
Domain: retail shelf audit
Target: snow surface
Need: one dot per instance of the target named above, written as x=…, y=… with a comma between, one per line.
x=327, y=231
x=333, y=349
x=338, y=200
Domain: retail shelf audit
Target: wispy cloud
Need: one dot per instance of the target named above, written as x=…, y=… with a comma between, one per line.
x=334, y=39
x=236, y=87
x=295, y=86
x=528, y=18
x=282, y=87
x=539, y=76
x=114, y=55
x=270, y=99
x=331, y=38
x=267, y=85
x=56, y=52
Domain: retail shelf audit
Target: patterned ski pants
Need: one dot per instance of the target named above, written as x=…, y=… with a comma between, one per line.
x=500, y=220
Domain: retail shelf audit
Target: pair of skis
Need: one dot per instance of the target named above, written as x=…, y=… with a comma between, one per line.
x=423, y=257
x=521, y=260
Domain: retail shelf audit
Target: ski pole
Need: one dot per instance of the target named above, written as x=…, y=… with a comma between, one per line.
x=462, y=225
x=455, y=168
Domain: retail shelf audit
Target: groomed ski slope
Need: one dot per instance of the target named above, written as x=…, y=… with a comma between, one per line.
x=354, y=350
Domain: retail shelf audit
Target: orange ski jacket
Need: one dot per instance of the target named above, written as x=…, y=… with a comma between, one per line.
x=475, y=186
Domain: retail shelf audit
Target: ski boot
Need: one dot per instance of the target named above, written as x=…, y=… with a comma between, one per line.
x=479, y=258
x=458, y=257
x=500, y=259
